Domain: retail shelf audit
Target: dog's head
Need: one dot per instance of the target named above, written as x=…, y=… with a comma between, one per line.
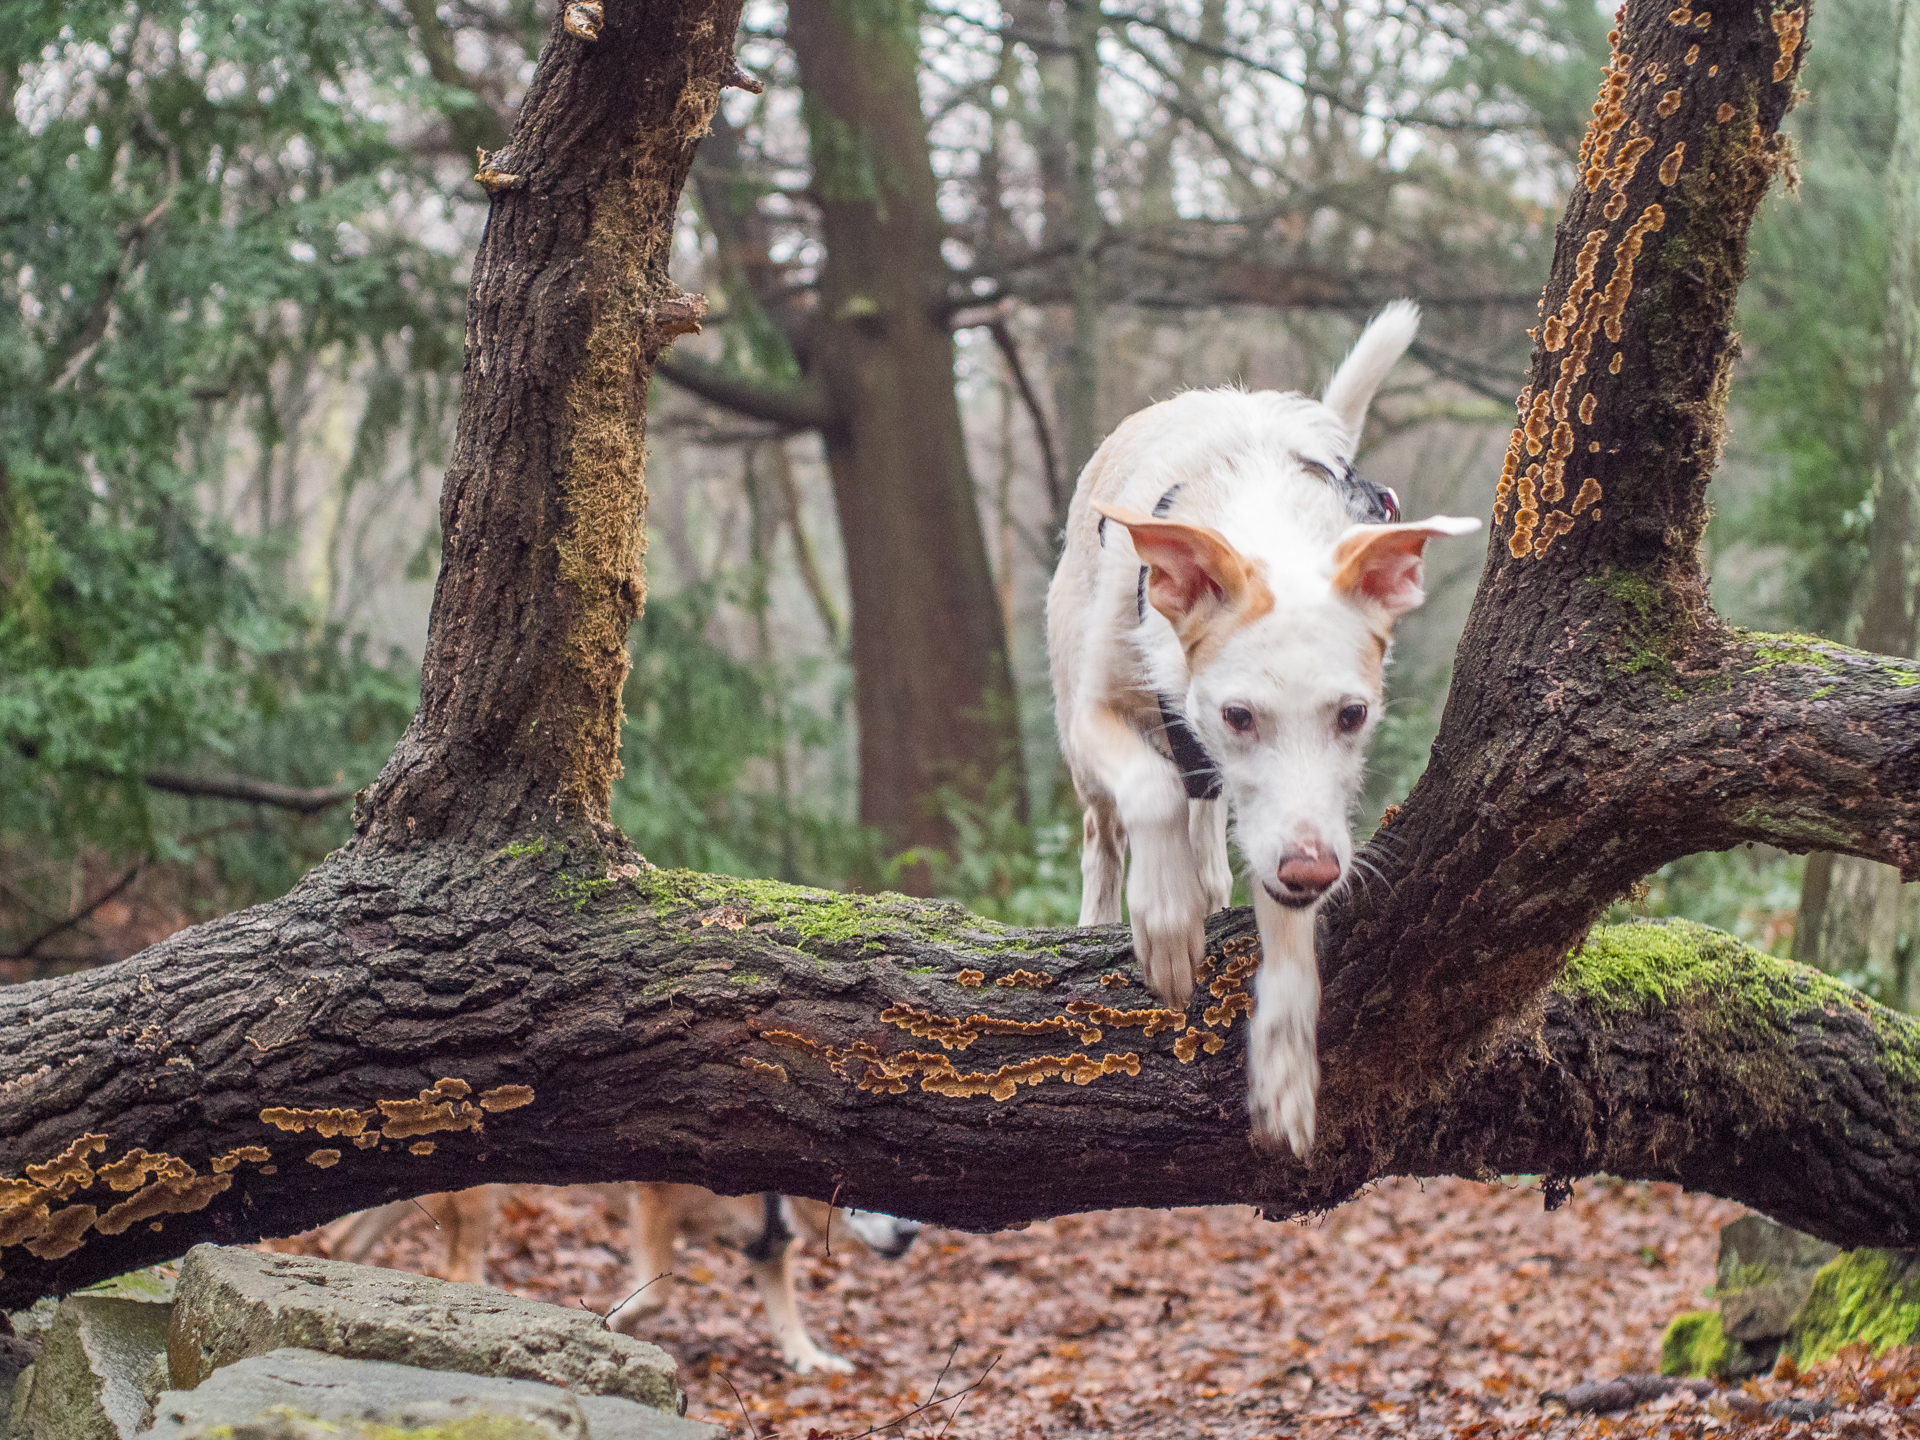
x=1286, y=677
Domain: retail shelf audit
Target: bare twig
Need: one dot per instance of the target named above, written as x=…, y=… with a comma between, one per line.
x=608, y=1317
x=244, y=788
x=59, y=927
x=902, y=1419
x=831, y=1205
x=1043, y=436
x=752, y=1429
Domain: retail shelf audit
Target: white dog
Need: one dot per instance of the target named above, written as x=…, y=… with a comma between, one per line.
x=1217, y=631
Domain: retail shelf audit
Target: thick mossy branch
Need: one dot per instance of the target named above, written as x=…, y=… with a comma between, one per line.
x=1673, y=1051
x=522, y=1015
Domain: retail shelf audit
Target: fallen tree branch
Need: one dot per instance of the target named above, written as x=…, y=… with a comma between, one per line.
x=401, y=1024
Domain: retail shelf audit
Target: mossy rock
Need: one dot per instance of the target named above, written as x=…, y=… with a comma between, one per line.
x=1763, y=1279
x=1862, y=1297
x=1694, y=1345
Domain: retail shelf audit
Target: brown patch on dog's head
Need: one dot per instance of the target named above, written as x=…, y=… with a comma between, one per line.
x=1378, y=567
x=1205, y=587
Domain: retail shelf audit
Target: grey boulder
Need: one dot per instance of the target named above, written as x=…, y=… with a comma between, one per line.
x=232, y=1304
x=90, y=1379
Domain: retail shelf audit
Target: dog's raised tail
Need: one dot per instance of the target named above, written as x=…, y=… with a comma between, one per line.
x=1379, y=347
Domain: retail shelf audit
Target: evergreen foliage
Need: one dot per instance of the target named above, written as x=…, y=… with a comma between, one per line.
x=191, y=198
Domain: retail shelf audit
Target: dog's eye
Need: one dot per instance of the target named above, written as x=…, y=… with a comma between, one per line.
x=1239, y=719
x=1352, y=717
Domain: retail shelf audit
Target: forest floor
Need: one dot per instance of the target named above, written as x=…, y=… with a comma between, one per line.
x=1437, y=1308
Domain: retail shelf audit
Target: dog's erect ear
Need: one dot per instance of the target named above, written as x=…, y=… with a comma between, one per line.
x=1194, y=577
x=1379, y=565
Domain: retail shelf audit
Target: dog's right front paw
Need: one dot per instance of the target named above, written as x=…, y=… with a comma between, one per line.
x=1169, y=944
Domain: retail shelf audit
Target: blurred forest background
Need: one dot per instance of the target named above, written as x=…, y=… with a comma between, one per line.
x=233, y=249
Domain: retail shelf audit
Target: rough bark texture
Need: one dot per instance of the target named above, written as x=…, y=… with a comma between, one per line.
x=498, y=992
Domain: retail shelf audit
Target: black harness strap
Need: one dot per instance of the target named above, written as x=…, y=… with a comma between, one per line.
x=774, y=1234
x=1197, y=770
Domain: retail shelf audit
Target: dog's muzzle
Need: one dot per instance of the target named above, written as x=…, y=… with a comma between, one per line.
x=1303, y=879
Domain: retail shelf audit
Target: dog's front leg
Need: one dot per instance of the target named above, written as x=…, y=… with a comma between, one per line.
x=1207, y=831
x=1283, y=1057
x=1103, y=862
x=651, y=1229
x=1166, y=900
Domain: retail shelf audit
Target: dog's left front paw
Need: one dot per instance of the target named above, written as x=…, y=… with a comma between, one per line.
x=1283, y=1080
x=1168, y=913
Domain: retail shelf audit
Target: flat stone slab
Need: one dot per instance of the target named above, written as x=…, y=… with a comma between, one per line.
x=232, y=1304
x=290, y=1394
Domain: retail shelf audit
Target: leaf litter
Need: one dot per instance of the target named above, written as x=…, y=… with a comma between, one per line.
x=1419, y=1309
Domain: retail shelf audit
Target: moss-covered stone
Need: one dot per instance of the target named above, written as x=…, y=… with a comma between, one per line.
x=1694, y=1345
x=1866, y=1297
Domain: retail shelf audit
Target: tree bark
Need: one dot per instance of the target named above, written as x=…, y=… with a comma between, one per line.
x=499, y=991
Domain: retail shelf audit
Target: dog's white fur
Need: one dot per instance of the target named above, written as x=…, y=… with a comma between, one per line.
x=1266, y=599
x=657, y=1216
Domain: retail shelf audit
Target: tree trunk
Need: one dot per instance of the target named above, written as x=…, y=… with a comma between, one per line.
x=933, y=691
x=498, y=992
x=932, y=685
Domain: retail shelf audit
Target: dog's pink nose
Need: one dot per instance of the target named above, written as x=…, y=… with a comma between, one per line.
x=1313, y=872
